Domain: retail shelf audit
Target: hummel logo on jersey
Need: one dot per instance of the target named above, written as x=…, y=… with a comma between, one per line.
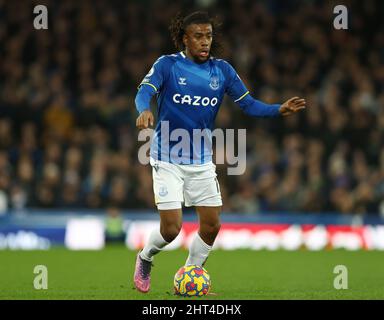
x=182, y=81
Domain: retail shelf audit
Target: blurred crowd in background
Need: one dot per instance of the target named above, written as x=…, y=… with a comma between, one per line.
x=67, y=113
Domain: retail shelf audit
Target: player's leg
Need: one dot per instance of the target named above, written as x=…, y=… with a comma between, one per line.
x=167, y=186
x=168, y=190
x=170, y=226
x=209, y=227
x=202, y=191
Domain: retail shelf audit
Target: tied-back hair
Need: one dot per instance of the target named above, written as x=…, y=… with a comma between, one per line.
x=179, y=24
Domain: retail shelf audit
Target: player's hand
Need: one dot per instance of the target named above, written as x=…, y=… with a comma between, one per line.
x=145, y=119
x=292, y=105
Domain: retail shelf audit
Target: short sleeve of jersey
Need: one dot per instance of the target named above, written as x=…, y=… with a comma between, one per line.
x=156, y=75
x=235, y=87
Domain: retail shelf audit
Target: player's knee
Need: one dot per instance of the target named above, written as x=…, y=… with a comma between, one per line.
x=170, y=232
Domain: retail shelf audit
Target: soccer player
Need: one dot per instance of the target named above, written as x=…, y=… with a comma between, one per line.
x=189, y=87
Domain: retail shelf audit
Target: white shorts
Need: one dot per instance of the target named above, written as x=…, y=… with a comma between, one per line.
x=195, y=185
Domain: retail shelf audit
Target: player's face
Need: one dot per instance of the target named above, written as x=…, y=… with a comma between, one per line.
x=198, y=40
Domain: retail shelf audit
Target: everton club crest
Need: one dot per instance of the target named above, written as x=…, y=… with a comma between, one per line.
x=214, y=84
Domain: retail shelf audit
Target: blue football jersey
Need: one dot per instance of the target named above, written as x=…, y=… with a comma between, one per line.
x=188, y=98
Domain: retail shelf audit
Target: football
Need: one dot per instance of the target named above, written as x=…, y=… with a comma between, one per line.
x=192, y=281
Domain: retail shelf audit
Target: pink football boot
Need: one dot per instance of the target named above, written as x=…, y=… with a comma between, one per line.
x=142, y=278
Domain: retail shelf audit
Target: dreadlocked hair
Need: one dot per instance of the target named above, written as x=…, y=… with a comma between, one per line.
x=179, y=24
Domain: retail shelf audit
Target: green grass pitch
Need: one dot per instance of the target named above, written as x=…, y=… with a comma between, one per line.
x=239, y=274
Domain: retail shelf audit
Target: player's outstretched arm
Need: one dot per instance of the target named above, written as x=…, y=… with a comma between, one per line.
x=256, y=108
x=292, y=106
x=145, y=119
